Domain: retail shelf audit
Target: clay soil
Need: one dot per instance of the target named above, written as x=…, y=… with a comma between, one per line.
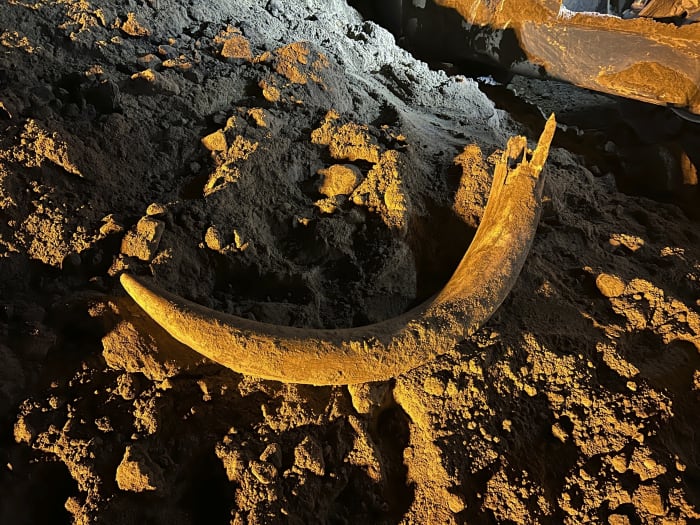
x=287, y=162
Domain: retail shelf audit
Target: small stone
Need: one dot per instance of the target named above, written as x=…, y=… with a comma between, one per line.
x=648, y=498
x=127, y=387
x=233, y=461
x=103, y=424
x=272, y=454
x=150, y=81
x=213, y=239
x=339, y=179
x=327, y=206
x=167, y=51
x=139, y=350
x=71, y=110
x=215, y=141
x=73, y=505
x=23, y=432
x=644, y=465
x=619, y=463
x=456, y=503
x=270, y=92
x=618, y=519
x=142, y=241
x=366, y=397
x=237, y=47
x=194, y=75
x=258, y=115
x=610, y=285
x=71, y=261
x=133, y=27
x=41, y=95
x=137, y=472
x=238, y=241
x=110, y=225
x=559, y=433
x=264, y=472
x=148, y=61
x=154, y=209
x=308, y=455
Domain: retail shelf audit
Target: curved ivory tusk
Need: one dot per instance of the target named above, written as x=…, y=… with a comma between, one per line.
x=383, y=350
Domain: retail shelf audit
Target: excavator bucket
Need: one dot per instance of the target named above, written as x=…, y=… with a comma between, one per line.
x=647, y=50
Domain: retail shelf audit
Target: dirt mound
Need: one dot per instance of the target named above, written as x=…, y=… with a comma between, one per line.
x=288, y=163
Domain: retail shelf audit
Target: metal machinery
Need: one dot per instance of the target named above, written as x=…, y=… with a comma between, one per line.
x=647, y=50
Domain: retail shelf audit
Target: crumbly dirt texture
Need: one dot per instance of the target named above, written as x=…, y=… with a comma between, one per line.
x=287, y=162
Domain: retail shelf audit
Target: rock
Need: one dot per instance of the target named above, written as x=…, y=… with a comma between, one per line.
x=139, y=346
x=151, y=82
x=610, y=285
x=142, y=240
x=137, y=472
x=648, y=499
x=156, y=209
x=124, y=348
x=434, y=386
x=110, y=226
x=366, y=397
x=134, y=27
x=213, y=239
x=215, y=141
x=23, y=431
x=618, y=519
x=339, y=179
x=308, y=455
x=349, y=141
x=127, y=386
x=276, y=8
x=264, y=472
x=149, y=61
x=237, y=47
x=272, y=454
x=233, y=461
x=456, y=503
x=167, y=51
x=270, y=92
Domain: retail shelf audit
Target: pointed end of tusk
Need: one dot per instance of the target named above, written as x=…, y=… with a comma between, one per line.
x=129, y=283
x=142, y=295
x=539, y=157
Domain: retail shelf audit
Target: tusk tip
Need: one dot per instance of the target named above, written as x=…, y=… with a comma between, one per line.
x=135, y=288
x=127, y=281
x=541, y=153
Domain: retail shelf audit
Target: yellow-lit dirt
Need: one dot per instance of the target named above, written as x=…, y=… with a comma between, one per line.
x=287, y=163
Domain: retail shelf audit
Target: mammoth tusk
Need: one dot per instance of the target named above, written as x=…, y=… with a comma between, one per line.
x=387, y=349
